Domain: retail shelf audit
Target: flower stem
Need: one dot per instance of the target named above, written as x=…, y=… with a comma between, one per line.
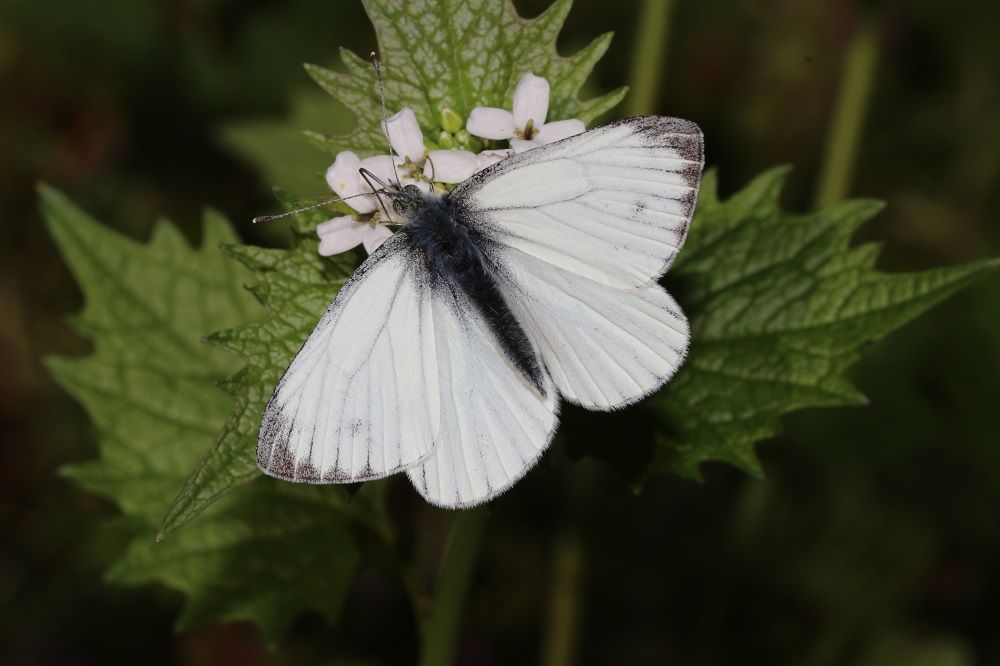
x=564, y=600
x=849, y=113
x=442, y=630
x=649, y=56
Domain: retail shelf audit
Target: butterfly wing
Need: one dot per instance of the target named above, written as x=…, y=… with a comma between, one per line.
x=361, y=399
x=495, y=424
x=578, y=233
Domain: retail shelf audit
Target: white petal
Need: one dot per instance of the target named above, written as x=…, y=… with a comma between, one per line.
x=375, y=237
x=491, y=157
x=490, y=123
x=340, y=234
x=521, y=145
x=405, y=136
x=343, y=178
x=559, y=130
x=381, y=166
x=531, y=101
x=450, y=166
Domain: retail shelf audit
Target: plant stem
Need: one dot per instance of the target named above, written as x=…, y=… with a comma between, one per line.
x=849, y=113
x=564, y=602
x=457, y=564
x=649, y=56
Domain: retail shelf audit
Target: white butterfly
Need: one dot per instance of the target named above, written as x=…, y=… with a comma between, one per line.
x=446, y=353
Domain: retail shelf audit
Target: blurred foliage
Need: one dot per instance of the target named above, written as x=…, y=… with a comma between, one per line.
x=875, y=537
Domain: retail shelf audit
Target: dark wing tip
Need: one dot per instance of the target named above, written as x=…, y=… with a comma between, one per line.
x=273, y=456
x=679, y=134
x=660, y=125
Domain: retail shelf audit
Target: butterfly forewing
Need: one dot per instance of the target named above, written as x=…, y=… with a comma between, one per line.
x=360, y=400
x=612, y=204
x=579, y=232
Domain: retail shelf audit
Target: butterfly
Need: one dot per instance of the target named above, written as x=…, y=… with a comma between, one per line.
x=448, y=351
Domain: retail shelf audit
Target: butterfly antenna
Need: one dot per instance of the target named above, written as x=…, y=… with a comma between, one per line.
x=385, y=115
x=369, y=177
x=325, y=202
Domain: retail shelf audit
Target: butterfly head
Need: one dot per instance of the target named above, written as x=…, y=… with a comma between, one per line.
x=406, y=199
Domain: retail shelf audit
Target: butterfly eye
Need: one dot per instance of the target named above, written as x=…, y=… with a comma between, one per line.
x=398, y=206
x=412, y=190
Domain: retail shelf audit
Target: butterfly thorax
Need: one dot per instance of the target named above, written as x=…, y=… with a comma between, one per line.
x=454, y=254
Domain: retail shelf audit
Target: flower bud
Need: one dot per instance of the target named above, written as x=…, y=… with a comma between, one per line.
x=451, y=122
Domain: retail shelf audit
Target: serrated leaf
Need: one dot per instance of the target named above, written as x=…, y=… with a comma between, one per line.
x=780, y=305
x=150, y=388
x=458, y=54
x=293, y=285
x=145, y=384
x=263, y=554
x=434, y=54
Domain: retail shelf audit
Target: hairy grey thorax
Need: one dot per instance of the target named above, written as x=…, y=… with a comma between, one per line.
x=453, y=252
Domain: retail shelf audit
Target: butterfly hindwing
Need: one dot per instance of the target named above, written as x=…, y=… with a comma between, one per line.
x=604, y=347
x=495, y=422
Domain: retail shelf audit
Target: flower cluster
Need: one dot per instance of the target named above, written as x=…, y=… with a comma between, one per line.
x=453, y=156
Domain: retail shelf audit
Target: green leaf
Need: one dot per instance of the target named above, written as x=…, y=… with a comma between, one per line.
x=780, y=305
x=458, y=54
x=151, y=389
x=264, y=553
x=435, y=54
x=295, y=286
x=149, y=386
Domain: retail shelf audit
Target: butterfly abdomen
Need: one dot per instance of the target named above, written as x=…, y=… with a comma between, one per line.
x=452, y=253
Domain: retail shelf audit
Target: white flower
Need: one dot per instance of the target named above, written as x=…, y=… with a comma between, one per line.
x=525, y=126
x=450, y=166
x=381, y=166
x=405, y=136
x=548, y=133
x=488, y=158
x=521, y=145
x=343, y=233
x=344, y=178
x=413, y=164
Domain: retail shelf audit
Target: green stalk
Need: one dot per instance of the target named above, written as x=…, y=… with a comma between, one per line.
x=849, y=113
x=564, y=600
x=649, y=56
x=442, y=630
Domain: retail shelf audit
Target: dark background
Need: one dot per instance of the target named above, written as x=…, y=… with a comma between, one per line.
x=875, y=538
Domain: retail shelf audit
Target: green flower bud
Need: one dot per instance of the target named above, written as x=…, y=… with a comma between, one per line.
x=445, y=140
x=475, y=145
x=450, y=121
